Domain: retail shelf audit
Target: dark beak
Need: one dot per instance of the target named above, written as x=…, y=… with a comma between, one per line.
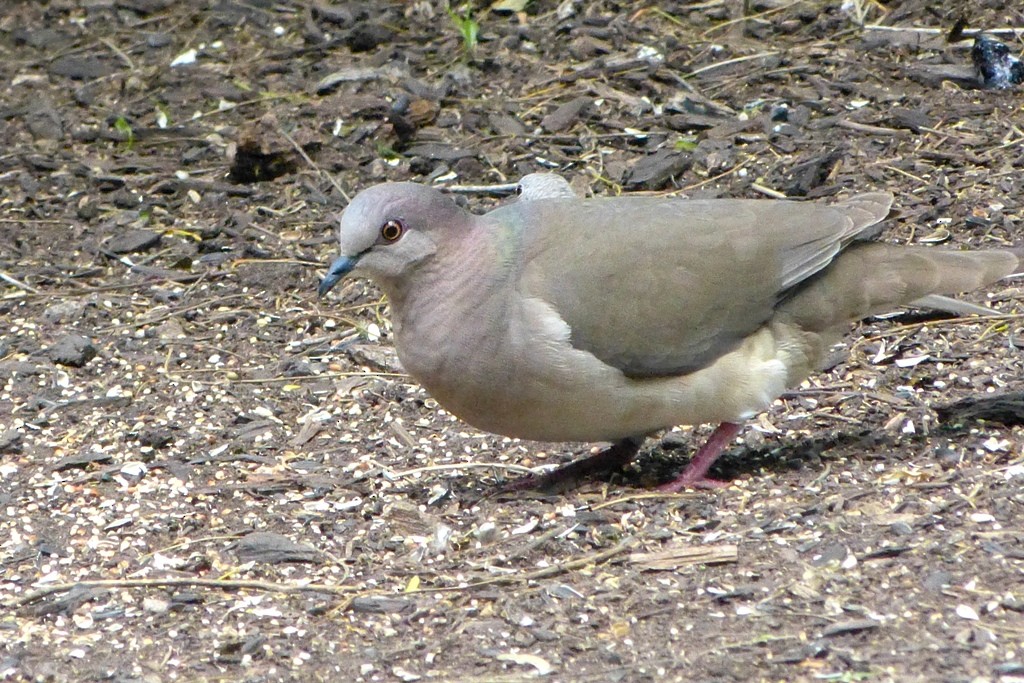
x=339, y=269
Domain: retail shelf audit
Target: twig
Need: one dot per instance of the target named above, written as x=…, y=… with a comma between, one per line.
x=967, y=33
x=271, y=587
x=245, y=103
x=544, y=573
x=120, y=53
x=267, y=586
x=644, y=496
x=731, y=171
x=913, y=328
x=551, y=533
x=874, y=130
x=18, y=283
x=176, y=312
x=748, y=17
x=322, y=173
x=299, y=378
x=768, y=191
x=730, y=62
x=675, y=557
x=31, y=221
x=500, y=189
x=264, y=261
x=459, y=466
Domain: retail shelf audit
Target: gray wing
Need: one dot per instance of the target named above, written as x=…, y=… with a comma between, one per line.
x=660, y=287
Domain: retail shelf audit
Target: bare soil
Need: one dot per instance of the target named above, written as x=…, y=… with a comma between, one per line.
x=208, y=474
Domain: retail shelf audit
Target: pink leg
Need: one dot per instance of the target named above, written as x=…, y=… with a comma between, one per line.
x=613, y=458
x=694, y=476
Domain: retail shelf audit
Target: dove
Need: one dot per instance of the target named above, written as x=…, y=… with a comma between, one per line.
x=612, y=318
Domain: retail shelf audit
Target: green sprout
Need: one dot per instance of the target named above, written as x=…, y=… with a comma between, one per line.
x=686, y=144
x=125, y=129
x=468, y=28
x=386, y=152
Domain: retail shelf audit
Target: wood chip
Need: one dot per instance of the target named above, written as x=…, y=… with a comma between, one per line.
x=683, y=556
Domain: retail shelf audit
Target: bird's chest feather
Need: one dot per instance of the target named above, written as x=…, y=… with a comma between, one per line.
x=452, y=339
x=486, y=357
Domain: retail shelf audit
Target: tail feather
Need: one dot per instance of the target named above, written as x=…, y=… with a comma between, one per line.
x=870, y=278
x=947, y=304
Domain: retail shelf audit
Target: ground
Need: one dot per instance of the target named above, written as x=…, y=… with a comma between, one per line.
x=208, y=473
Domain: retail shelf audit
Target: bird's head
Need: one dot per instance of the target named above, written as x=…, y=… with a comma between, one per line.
x=388, y=230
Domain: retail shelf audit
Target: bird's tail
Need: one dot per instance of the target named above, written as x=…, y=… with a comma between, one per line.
x=870, y=278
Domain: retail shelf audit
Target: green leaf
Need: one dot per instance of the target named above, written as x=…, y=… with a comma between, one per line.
x=124, y=128
x=687, y=144
x=467, y=26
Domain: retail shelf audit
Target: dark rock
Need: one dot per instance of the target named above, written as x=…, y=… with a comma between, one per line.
x=420, y=166
x=652, y=172
x=10, y=441
x=544, y=635
x=81, y=68
x=834, y=552
x=382, y=605
x=587, y=47
x=937, y=580
x=146, y=7
x=41, y=38
x=18, y=367
x=1006, y=408
x=157, y=437
x=715, y=155
x=158, y=40
x=64, y=311
x=73, y=350
x=124, y=199
x=565, y=115
x=845, y=627
x=133, y=241
x=810, y=174
x=505, y=124
x=1012, y=602
x=335, y=14
x=44, y=121
x=912, y=119
x=262, y=546
x=368, y=36
x=468, y=167
x=934, y=75
x=81, y=460
x=438, y=151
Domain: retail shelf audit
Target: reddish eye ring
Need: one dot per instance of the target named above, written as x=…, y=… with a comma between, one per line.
x=391, y=230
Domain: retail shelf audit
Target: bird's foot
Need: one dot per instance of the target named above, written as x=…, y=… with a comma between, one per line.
x=695, y=474
x=611, y=459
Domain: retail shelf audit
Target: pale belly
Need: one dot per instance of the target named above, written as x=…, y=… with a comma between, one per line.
x=559, y=393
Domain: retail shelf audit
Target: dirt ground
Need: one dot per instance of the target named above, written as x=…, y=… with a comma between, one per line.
x=208, y=474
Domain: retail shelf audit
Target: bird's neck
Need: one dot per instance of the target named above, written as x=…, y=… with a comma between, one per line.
x=458, y=292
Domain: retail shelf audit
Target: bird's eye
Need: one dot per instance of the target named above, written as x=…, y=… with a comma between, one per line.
x=519, y=190
x=392, y=230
